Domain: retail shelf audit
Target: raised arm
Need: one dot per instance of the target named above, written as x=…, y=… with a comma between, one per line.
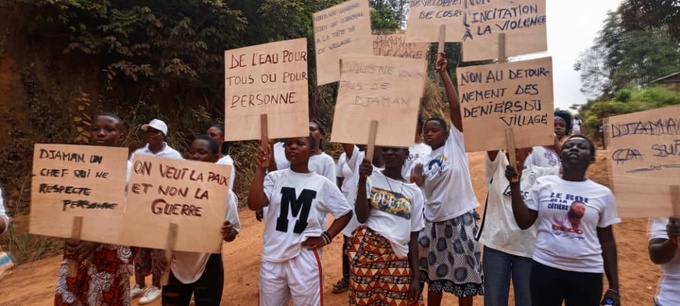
x=451, y=95
x=524, y=216
x=256, y=197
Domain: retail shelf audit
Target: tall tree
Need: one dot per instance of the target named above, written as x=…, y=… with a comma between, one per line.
x=623, y=57
x=392, y=14
x=641, y=14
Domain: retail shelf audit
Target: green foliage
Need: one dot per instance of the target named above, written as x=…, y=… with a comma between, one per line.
x=641, y=14
x=383, y=19
x=388, y=14
x=625, y=101
x=163, y=41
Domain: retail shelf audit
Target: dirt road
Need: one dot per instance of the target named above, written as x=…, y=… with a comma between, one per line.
x=33, y=283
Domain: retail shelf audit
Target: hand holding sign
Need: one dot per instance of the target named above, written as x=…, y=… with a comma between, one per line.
x=193, y=195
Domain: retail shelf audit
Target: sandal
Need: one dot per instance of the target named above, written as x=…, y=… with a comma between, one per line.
x=341, y=286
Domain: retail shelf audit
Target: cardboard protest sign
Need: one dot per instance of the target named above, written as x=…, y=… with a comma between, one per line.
x=191, y=194
x=644, y=157
x=425, y=17
x=341, y=29
x=396, y=45
x=266, y=79
x=75, y=180
x=378, y=88
x=477, y=24
x=497, y=96
x=524, y=25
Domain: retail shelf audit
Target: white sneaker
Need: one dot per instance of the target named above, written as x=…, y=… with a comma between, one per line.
x=152, y=293
x=136, y=291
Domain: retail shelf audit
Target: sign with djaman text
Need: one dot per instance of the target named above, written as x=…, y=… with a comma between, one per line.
x=191, y=194
x=644, y=157
x=378, y=88
x=477, y=24
x=266, y=79
x=76, y=180
x=497, y=96
x=341, y=29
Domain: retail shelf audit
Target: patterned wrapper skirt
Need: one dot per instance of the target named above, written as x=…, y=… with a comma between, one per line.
x=450, y=257
x=377, y=275
x=101, y=279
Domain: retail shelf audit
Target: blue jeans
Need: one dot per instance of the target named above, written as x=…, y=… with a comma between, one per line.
x=499, y=267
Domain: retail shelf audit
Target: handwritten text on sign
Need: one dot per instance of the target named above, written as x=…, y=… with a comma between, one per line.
x=644, y=152
x=266, y=79
x=191, y=194
x=378, y=88
x=73, y=180
x=524, y=25
x=396, y=45
x=478, y=23
x=341, y=29
x=518, y=95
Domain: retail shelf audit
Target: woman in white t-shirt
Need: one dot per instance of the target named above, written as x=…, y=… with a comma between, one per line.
x=450, y=257
x=507, y=248
x=216, y=132
x=663, y=250
x=319, y=162
x=575, y=240
x=298, y=201
x=200, y=274
x=384, y=249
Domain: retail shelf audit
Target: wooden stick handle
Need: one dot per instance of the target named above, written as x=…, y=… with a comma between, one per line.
x=501, y=48
x=442, y=40
x=510, y=138
x=169, y=247
x=76, y=231
x=264, y=128
x=675, y=200
x=372, y=133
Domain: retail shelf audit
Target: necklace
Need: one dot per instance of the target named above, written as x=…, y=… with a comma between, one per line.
x=390, y=185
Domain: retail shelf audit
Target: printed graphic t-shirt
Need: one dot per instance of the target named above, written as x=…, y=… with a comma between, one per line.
x=417, y=154
x=350, y=184
x=298, y=203
x=501, y=231
x=669, y=284
x=569, y=214
x=448, y=187
x=396, y=210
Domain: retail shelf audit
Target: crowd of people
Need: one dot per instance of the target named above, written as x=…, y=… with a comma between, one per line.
x=408, y=217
